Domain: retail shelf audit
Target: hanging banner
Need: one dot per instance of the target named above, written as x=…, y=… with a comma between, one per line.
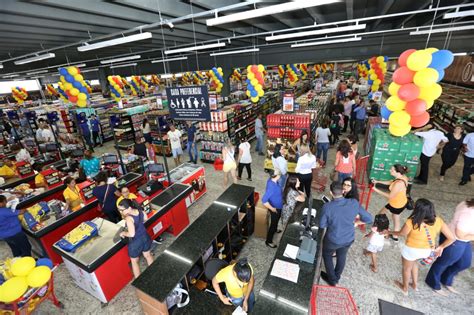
x=189, y=103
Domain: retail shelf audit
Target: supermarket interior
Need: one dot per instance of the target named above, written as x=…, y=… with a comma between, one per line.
x=236, y=157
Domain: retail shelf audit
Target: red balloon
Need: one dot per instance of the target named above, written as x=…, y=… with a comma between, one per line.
x=78, y=70
x=416, y=107
x=68, y=93
x=420, y=120
x=408, y=92
x=73, y=99
x=402, y=60
x=403, y=75
x=254, y=68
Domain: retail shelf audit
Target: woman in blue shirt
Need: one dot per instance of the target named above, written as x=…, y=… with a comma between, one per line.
x=90, y=164
x=10, y=230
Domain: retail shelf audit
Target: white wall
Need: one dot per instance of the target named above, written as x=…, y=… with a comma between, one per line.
x=28, y=85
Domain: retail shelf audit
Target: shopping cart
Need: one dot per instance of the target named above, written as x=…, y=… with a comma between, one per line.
x=329, y=300
x=28, y=303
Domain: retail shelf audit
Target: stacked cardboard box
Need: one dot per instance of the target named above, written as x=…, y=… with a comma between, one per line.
x=387, y=150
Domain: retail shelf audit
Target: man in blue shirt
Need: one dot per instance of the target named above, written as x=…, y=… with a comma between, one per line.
x=360, y=113
x=273, y=201
x=192, y=147
x=90, y=164
x=86, y=133
x=10, y=230
x=95, y=128
x=338, y=217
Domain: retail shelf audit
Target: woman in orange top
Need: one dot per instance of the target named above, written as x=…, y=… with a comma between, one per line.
x=397, y=197
x=345, y=164
x=421, y=231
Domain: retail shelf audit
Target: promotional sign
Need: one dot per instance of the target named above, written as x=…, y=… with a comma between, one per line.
x=288, y=102
x=189, y=103
x=213, y=102
x=318, y=86
x=159, y=103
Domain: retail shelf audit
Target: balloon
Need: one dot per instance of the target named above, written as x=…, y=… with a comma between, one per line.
x=440, y=74
x=393, y=88
x=393, y=103
x=69, y=78
x=402, y=60
x=370, y=82
x=254, y=99
x=250, y=75
x=373, y=76
x=385, y=112
x=248, y=93
x=44, y=262
x=254, y=68
x=63, y=71
x=62, y=79
x=416, y=107
x=261, y=68
x=261, y=93
x=377, y=82
x=380, y=59
x=77, y=85
x=74, y=92
x=399, y=118
x=431, y=50
x=72, y=71
x=22, y=266
x=38, y=277
x=408, y=92
x=399, y=131
x=441, y=59
x=73, y=99
x=420, y=59
x=403, y=75
x=254, y=93
x=375, y=88
x=431, y=92
x=81, y=103
x=78, y=77
x=254, y=82
x=13, y=289
x=425, y=77
x=429, y=104
x=420, y=120
x=82, y=96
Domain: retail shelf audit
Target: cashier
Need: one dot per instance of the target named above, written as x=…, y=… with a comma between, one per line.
x=40, y=181
x=90, y=164
x=8, y=170
x=239, y=282
x=71, y=194
x=10, y=230
x=107, y=195
x=125, y=194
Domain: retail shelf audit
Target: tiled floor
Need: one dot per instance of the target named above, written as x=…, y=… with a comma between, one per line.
x=365, y=286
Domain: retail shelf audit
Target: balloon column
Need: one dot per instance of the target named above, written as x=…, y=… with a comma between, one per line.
x=155, y=80
x=51, y=90
x=236, y=75
x=324, y=67
x=255, y=82
x=281, y=71
x=216, y=78
x=292, y=74
x=317, y=68
x=62, y=93
x=19, y=94
x=116, y=87
x=331, y=66
x=74, y=85
x=414, y=88
x=363, y=69
x=144, y=82
x=198, y=78
x=378, y=68
x=135, y=85
x=187, y=78
x=303, y=70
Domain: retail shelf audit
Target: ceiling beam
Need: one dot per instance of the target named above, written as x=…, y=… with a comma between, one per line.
x=408, y=18
x=316, y=15
x=350, y=9
x=383, y=8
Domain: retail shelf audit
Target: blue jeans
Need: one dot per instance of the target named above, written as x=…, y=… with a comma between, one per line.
x=334, y=274
x=192, y=147
x=456, y=258
x=259, y=145
x=240, y=301
x=282, y=181
x=322, y=148
x=343, y=176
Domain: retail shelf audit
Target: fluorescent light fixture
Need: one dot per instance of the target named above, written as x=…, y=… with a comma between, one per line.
x=37, y=77
x=460, y=54
x=317, y=32
x=178, y=75
x=1, y=66
x=169, y=59
x=35, y=58
x=241, y=51
x=120, y=59
x=193, y=48
x=269, y=10
x=458, y=14
x=124, y=65
x=166, y=76
x=37, y=72
x=326, y=42
x=116, y=41
x=11, y=76
x=89, y=70
x=81, y=65
x=443, y=30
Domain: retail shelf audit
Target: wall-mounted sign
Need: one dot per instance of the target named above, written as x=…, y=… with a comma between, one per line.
x=189, y=103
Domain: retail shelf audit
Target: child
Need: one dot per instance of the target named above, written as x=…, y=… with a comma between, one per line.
x=139, y=240
x=377, y=236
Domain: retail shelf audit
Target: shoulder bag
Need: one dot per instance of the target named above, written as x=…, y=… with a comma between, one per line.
x=410, y=202
x=431, y=258
x=101, y=204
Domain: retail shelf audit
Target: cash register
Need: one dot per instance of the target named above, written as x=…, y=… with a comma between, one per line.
x=154, y=182
x=24, y=169
x=85, y=190
x=52, y=178
x=110, y=159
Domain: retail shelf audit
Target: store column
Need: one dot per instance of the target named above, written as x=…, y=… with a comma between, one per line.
x=103, y=73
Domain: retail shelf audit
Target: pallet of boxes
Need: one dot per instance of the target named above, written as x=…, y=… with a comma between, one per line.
x=387, y=150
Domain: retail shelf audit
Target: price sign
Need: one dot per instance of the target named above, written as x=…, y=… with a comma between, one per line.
x=288, y=102
x=212, y=102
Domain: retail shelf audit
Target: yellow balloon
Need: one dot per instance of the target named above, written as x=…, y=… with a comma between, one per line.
x=38, y=277
x=429, y=104
x=261, y=68
x=72, y=70
x=373, y=76
x=13, y=289
x=377, y=82
x=67, y=86
x=399, y=131
x=261, y=93
x=393, y=88
x=22, y=266
x=394, y=103
x=254, y=99
x=254, y=82
x=78, y=77
x=249, y=68
x=371, y=71
x=81, y=103
x=82, y=96
x=418, y=60
x=250, y=76
x=431, y=50
x=62, y=79
x=248, y=93
x=399, y=118
x=374, y=88
x=380, y=59
x=425, y=77
x=431, y=92
x=74, y=92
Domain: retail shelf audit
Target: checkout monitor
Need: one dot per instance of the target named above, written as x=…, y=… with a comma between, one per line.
x=156, y=168
x=110, y=159
x=51, y=147
x=77, y=153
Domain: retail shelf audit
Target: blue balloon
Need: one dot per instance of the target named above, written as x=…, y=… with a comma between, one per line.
x=440, y=74
x=77, y=85
x=370, y=95
x=441, y=59
x=254, y=93
x=83, y=89
x=63, y=71
x=45, y=262
x=385, y=112
x=385, y=58
x=370, y=82
x=69, y=78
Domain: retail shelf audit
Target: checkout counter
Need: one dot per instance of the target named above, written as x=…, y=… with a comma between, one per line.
x=221, y=231
x=191, y=174
x=101, y=265
x=280, y=296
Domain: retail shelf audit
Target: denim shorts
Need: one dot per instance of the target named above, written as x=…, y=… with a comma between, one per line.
x=138, y=245
x=176, y=152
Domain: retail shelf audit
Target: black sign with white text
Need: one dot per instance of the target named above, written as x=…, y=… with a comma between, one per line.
x=189, y=103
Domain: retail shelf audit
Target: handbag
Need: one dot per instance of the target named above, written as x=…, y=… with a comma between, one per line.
x=410, y=202
x=176, y=297
x=432, y=257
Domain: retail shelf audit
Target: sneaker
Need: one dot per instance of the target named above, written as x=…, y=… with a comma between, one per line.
x=462, y=183
x=271, y=245
x=249, y=179
x=159, y=240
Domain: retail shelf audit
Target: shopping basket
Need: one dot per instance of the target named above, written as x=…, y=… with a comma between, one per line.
x=218, y=164
x=329, y=300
